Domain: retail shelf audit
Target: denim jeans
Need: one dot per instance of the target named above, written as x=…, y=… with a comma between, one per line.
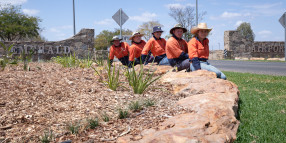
x=164, y=61
x=207, y=66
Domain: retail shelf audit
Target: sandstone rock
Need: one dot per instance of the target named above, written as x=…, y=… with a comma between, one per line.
x=212, y=103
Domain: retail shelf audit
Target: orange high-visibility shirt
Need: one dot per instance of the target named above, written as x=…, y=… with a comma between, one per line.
x=135, y=50
x=198, y=49
x=175, y=47
x=157, y=47
x=119, y=52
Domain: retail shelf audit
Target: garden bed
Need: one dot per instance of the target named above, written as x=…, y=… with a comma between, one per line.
x=50, y=97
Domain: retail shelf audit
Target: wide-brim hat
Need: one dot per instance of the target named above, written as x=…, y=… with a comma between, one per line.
x=178, y=26
x=136, y=33
x=200, y=26
x=115, y=38
x=157, y=29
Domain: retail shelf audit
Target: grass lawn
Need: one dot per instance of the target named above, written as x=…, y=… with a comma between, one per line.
x=262, y=107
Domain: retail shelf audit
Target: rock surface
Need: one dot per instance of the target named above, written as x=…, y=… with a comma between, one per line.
x=213, y=104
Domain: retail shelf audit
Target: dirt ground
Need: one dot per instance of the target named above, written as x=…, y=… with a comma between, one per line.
x=50, y=97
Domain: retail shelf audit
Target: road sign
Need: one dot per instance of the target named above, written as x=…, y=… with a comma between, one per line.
x=120, y=16
x=282, y=20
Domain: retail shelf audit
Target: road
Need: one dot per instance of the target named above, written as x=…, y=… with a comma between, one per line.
x=269, y=68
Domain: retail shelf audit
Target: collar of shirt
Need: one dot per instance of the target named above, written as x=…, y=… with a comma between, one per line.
x=137, y=42
x=173, y=35
x=156, y=38
x=199, y=39
x=117, y=46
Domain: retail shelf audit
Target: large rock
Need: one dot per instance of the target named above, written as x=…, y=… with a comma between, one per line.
x=213, y=104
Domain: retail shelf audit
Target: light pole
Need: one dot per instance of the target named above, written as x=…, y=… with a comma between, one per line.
x=73, y=19
x=197, y=12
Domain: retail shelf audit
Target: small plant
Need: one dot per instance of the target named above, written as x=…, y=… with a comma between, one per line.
x=140, y=81
x=26, y=58
x=123, y=114
x=135, y=106
x=105, y=117
x=67, y=61
x=93, y=123
x=112, y=77
x=6, y=56
x=73, y=128
x=149, y=102
x=85, y=63
x=47, y=137
x=99, y=60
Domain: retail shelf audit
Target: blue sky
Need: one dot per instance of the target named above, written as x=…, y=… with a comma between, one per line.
x=222, y=15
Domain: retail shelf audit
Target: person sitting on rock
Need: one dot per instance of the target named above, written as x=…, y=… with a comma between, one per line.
x=156, y=45
x=198, y=48
x=136, y=48
x=120, y=50
x=177, y=49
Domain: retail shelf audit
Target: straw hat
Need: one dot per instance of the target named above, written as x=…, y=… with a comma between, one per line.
x=200, y=26
x=177, y=26
x=115, y=38
x=136, y=33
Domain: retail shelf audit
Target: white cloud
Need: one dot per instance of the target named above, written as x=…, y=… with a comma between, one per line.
x=265, y=33
x=144, y=17
x=238, y=23
x=13, y=2
x=230, y=15
x=103, y=22
x=30, y=12
x=177, y=5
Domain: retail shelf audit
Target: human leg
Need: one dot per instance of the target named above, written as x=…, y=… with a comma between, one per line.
x=209, y=67
x=164, y=61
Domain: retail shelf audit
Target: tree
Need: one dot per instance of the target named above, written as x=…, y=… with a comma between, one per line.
x=186, y=17
x=102, y=40
x=245, y=30
x=15, y=25
x=147, y=28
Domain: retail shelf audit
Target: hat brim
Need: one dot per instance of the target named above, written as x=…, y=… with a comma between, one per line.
x=136, y=35
x=196, y=29
x=115, y=39
x=158, y=31
x=184, y=29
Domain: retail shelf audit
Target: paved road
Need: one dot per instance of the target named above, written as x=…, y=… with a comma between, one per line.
x=270, y=68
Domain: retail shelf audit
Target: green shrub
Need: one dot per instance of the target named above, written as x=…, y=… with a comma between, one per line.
x=7, y=56
x=67, y=61
x=149, y=102
x=93, y=123
x=47, y=137
x=140, y=81
x=135, y=106
x=26, y=58
x=73, y=127
x=123, y=114
x=105, y=117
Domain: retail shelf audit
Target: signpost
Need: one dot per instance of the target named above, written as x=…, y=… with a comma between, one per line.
x=282, y=20
x=120, y=18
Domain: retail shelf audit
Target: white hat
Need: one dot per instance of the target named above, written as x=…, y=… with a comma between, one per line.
x=200, y=26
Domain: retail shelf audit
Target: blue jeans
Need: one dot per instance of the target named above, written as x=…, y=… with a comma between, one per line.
x=164, y=61
x=207, y=66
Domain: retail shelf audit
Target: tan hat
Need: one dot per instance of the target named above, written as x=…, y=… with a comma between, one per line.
x=136, y=33
x=115, y=38
x=200, y=26
x=177, y=26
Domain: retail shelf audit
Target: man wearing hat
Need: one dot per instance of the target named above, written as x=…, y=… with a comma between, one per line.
x=177, y=49
x=157, y=46
x=198, y=48
x=136, y=48
x=120, y=50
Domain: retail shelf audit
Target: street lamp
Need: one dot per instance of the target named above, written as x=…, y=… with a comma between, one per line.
x=73, y=19
x=197, y=12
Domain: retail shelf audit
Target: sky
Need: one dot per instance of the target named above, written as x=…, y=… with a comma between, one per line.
x=221, y=15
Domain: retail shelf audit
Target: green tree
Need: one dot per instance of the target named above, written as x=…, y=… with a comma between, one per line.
x=102, y=40
x=245, y=30
x=147, y=28
x=186, y=17
x=14, y=25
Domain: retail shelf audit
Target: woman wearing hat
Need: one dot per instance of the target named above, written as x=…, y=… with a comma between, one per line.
x=199, y=50
x=177, y=49
x=156, y=45
x=136, y=48
x=120, y=50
